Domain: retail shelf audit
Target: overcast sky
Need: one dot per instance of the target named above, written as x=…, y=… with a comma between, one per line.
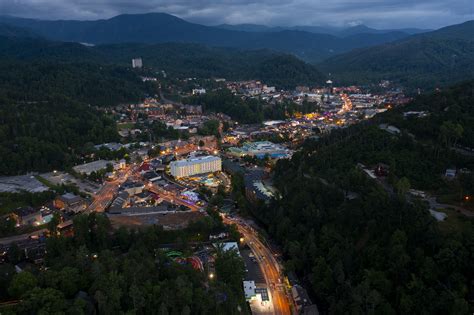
x=375, y=13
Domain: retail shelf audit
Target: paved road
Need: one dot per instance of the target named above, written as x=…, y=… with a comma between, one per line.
x=439, y=206
x=164, y=100
x=270, y=267
x=22, y=237
x=106, y=194
x=171, y=197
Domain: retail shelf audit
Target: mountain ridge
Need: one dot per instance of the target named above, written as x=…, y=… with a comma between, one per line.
x=162, y=27
x=429, y=60
x=332, y=30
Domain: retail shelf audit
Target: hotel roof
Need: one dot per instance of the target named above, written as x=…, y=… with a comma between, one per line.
x=200, y=159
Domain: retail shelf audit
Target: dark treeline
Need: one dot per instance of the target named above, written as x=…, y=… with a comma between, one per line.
x=375, y=254
x=46, y=113
x=451, y=117
x=124, y=271
x=46, y=135
x=94, y=84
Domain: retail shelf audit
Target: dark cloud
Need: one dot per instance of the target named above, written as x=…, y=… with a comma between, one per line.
x=376, y=13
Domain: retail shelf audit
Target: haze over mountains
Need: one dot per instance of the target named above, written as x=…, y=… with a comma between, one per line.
x=359, y=54
x=161, y=28
x=337, y=31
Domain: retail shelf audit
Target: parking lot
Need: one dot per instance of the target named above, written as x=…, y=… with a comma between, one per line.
x=254, y=272
x=60, y=178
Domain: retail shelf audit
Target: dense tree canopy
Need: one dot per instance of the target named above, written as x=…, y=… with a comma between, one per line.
x=121, y=271
x=41, y=136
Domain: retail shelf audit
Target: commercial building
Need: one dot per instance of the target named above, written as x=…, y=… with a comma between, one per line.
x=95, y=166
x=197, y=165
x=249, y=290
x=27, y=216
x=260, y=149
x=70, y=202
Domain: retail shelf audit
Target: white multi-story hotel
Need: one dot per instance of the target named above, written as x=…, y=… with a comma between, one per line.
x=137, y=63
x=197, y=165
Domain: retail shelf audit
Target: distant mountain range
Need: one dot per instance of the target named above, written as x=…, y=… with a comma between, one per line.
x=336, y=31
x=304, y=42
x=12, y=31
x=359, y=54
x=426, y=60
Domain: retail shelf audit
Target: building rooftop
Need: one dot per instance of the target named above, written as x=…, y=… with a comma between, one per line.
x=70, y=197
x=95, y=166
x=200, y=159
x=25, y=211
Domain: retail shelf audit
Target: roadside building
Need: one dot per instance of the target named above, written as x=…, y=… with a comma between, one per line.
x=121, y=200
x=151, y=176
x=71, y=203
x=249, y=290
x=302, y=301
x=95, y=166
x=27, y=216
x=133, y=188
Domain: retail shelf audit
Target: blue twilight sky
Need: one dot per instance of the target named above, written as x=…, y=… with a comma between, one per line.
x=374, y=13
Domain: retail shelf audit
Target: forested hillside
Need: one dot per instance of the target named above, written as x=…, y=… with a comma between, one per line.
x=87, y=83
x=191, y=60
x=102, y=271
x=40, y=136
x=177, y=60
x=365, y=247
x=46, y=99
x=427, y=60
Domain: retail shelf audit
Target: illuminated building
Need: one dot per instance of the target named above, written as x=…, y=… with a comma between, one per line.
x=137, y=63
x=197, y=165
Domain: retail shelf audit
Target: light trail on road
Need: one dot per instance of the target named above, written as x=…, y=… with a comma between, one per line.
x=268, y=264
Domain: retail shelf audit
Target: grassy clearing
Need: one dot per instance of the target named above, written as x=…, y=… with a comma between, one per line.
x=123, y=126
x=454, y=222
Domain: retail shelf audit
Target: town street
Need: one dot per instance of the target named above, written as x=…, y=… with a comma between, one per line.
x=270, y=267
